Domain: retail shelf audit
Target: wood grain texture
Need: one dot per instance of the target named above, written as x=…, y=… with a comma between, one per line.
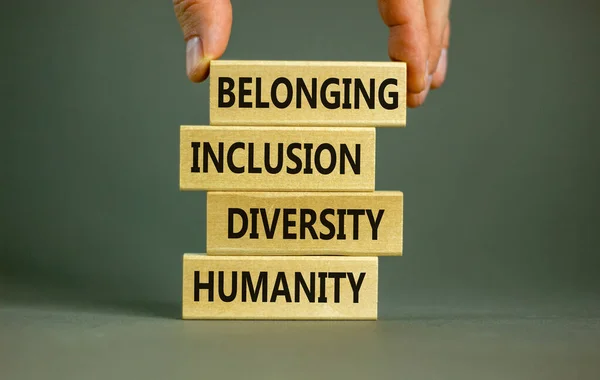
x=305, y=223
x=317, y=93
x=294, y=288
x=277, y=158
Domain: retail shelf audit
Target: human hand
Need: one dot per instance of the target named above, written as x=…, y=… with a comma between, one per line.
x=206, y=26
x=419, y=35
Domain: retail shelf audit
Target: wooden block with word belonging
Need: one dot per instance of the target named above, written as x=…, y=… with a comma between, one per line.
x=290, y=223
x=277, y=158
x=295, y=93
x=263, y=287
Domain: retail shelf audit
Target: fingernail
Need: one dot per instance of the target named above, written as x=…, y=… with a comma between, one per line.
x=193, y=55
x=426, y=77
x=444, y=61
x=420, y=97
x=444, y=54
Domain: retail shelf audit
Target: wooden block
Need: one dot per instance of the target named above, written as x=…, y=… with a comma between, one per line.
x=308, y=93
x=289, y=223
x=277, y=158
x=244, y=287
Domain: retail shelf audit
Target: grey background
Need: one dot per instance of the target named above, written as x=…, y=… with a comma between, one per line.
x=499, y=170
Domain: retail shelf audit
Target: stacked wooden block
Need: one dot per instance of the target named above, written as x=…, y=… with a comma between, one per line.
x=295, y=227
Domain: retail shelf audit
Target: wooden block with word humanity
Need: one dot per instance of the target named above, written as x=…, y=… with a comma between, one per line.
x=305, y=223
x=264, y=287
x=277, y=158
x=308, y=93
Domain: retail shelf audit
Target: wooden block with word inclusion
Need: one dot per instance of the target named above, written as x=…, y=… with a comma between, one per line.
x=277, y=158
x=308, y=93
x=305, y=223
x=295, y=288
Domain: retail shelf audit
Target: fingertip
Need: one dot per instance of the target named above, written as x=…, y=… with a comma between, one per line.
x=416, y=75
x=200, y=72
x=414, y=100
x=416, y=80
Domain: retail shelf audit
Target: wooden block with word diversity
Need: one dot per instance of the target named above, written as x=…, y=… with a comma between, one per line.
x=308, y=93
x=305, y=223
x=263, y=287
x=277, y=158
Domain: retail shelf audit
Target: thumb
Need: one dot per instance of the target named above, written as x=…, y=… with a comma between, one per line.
x=206, y=26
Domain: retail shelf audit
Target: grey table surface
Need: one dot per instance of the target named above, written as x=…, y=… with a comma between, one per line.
x=53, y=335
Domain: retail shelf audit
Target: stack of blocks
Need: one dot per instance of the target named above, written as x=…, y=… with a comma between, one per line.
x=295, y=227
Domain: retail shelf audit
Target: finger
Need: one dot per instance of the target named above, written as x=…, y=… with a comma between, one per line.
x=414, y=100
x=439, y=76
x=206, y=26
x=436, y=13
x=408, y=39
